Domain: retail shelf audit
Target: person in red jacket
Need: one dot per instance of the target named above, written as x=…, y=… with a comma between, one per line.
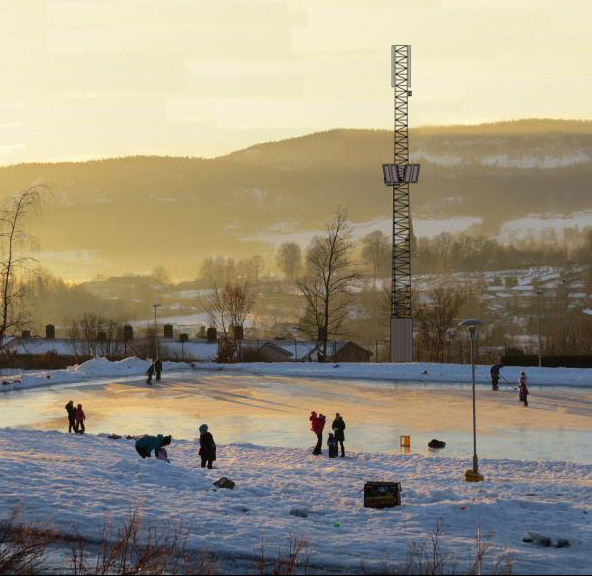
x=317, y=426
x=80, y=418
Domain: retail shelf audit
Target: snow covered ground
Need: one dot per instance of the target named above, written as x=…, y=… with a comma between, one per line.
x=413, y=372
x=75, y=482
x=409, y=372
x=96, y=368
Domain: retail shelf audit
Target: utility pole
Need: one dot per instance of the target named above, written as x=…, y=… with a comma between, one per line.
x=538, y=293
x=473, y=475
x=155, y=306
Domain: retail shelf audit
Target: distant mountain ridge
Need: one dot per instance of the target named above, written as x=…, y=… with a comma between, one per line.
x=129, y=214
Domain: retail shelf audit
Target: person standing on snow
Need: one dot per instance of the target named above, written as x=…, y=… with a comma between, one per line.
x=71, y=416
x=146, y=444
x=207, y=447
x=332, y=445
x=338, y=427
x=80, y=418
x=317, y=426
x=495, y=375
x=158, y=368
x=522, y=389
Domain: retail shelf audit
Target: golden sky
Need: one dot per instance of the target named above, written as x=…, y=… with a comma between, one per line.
x=86, y=79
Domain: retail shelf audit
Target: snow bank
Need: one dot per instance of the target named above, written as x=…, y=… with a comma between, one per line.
x=91, y=369
x=73, y=482
x=428, y=372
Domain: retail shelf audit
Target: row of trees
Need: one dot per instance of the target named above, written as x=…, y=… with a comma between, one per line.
x=374, y=254
x=448, y=253
x=325, y=285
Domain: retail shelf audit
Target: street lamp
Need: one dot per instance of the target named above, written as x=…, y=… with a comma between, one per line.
x=472, y=475
x=538, y=293
x=155, y=306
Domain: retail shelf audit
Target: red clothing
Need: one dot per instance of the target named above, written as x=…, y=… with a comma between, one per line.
x=79, y=415
x=317, y=423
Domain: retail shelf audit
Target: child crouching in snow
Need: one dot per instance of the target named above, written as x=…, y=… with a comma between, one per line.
x=332, y=444
x=163, y=455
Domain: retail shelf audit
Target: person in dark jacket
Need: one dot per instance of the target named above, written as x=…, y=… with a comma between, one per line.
x=495, y=375
x=150, y=373
x=332, y=445
x=317, y=426
x=71, y=416
x=80, y=418
x=207, y=447
x=158, y=368
x=145, y=445
x=338, y=427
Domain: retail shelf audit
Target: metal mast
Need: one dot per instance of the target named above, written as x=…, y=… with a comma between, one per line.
x=399, y=175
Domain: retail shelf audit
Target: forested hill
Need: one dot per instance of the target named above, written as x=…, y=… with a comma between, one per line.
x=129, y=214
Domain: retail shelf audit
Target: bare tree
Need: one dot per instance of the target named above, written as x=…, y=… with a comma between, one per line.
x=94, y=335
x=289, y=260
x=239, y=301
x=161, y=275
x=327, y=284
x=438, y=318
x=217, y=271
x=229, y=306
x=257, y=265
x=14, y=261
x=376, y=251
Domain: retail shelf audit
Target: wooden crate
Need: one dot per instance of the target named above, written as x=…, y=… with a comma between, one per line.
x=382, y=494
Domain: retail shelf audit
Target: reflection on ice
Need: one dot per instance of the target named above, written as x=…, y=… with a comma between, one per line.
x=274, y=411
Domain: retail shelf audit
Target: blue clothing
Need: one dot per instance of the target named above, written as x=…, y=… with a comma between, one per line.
x=147, y=444
x=496, y=368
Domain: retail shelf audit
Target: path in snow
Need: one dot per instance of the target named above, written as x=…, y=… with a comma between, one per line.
x=273, y=411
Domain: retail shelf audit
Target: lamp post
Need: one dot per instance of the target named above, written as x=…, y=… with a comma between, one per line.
x=472, y=475
x=155, y=306
x=538, y=293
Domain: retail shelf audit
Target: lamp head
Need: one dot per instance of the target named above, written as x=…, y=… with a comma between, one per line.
x=471, y=322
x=471, y=326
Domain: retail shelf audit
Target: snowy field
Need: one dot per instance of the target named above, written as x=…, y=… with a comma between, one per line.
x=75, y=482
x=536, y=460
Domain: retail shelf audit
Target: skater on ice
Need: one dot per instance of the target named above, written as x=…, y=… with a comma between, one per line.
x=522, y=389
x=207, y=447
x=150, y=373
x=495, y=375
x=158, y=368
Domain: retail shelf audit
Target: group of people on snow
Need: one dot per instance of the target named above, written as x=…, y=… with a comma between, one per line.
x=76, y=418
x=146, y=445
x=335, y=439
x=154, y=368
x=522, y=387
